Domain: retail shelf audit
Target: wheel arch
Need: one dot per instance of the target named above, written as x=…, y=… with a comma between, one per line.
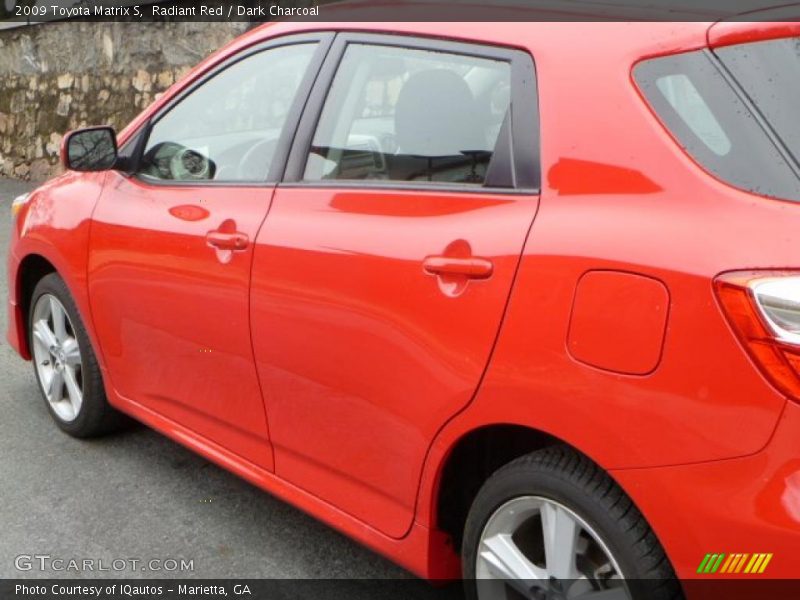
x=461, y=465
x=469, y=461
x=32, y=268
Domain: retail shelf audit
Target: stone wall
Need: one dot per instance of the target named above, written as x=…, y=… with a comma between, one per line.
x=60, y=76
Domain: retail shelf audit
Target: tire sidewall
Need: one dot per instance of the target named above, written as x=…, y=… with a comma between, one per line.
x=514, y=483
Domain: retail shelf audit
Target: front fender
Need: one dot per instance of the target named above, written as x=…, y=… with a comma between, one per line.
x=54, y=226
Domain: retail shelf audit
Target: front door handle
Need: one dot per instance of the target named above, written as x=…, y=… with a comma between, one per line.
x=472, y=267
x=227, y=241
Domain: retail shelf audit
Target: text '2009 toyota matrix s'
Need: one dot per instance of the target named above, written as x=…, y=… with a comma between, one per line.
x=514, y=301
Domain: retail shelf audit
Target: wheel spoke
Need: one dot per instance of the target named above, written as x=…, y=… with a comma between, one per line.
x=59, y=319
x=560, y=541
x=43, y=335
x=55, y=387
x=57, y=355
x=73, y=389
x=72, y=353
x=506, y=561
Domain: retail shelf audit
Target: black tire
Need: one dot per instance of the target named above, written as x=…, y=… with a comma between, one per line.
x=561, y=474
x=95, y=417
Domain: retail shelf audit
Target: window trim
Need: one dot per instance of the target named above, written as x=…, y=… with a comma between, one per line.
x=133, y=150
x=524, y=130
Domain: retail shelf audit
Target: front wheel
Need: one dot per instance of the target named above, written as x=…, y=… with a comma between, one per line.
x=552, y=524
x=65, y=364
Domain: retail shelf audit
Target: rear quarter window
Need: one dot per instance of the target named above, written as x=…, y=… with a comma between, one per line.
x=717, y=124
x=769, y=73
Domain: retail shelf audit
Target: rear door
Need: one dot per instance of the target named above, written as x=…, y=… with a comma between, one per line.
x=381, y=275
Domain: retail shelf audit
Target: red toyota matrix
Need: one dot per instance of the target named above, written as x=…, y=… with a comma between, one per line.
x=513, y=302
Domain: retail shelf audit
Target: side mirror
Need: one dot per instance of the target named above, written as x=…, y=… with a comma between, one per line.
x=92, y=149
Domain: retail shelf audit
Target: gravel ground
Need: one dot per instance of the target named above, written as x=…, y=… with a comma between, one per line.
x=140, y=495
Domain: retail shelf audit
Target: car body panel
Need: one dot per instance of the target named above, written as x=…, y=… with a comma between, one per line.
x=16, y=333
x=614, y=305
x=424, y=552
x=728, y=33
x=54, y=225
x=362, y=354
x=654, y=224
x=170, y=309
x=744, y=505
x=618, y=194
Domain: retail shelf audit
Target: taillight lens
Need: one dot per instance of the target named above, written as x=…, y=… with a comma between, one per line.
x=763, y=307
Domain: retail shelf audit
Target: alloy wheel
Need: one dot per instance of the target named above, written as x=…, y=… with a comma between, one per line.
x=536, y=548
x=57, y=356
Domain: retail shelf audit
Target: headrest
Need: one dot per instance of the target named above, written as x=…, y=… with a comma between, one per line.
x=436, y=115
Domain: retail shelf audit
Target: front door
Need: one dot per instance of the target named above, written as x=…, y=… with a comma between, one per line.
x=383, y=270
x=172, y=249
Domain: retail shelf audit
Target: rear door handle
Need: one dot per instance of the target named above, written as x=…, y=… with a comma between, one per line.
x=473, y=268
x=227, y=241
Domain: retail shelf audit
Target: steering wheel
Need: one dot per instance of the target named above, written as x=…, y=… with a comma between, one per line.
x=188, y=164
x=256, y=161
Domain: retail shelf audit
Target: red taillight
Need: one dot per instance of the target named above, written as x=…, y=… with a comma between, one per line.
x=763, y=308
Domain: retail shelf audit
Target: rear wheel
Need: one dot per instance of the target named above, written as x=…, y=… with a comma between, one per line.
x=65, y=364
x=552, y=524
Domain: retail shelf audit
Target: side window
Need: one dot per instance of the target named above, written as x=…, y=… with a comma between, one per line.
x=690, y=106
x=401, y=114
x=769, y=72
x=706, y=116
x=227, y=129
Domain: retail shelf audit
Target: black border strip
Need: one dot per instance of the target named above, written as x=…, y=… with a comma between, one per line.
x=419, y=10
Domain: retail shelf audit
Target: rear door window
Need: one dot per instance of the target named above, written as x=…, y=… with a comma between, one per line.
x=410, y=115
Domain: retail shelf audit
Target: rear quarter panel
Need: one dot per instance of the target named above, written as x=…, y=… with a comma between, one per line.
x=618, y=194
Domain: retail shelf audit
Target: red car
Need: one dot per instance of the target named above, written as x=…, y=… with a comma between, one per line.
x=516, y=301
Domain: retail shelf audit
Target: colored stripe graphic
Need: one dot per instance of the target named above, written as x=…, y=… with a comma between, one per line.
x=736, y=562
x=701, y=568
x=764, y=564
x=711, y=562
x=727, y=564
x=730, y=566
x=716, y=564
x=756, y=558
x=741, y=563
x=755, y=563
